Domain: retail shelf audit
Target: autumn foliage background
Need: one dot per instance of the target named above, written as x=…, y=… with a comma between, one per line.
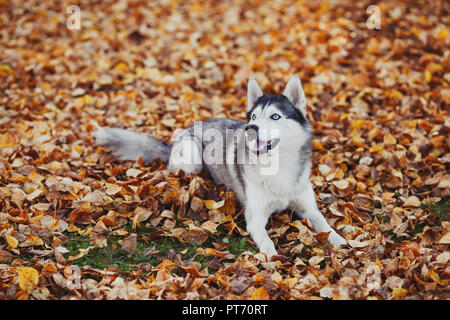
x=75, y=223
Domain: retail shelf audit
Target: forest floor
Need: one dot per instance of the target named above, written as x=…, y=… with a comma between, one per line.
x=77, y=224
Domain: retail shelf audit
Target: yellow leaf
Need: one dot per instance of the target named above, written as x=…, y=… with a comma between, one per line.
x=357, y=140
x=443, y=33
x=79, y=102
x=378, y=263
x=121, y=66
x=7, y=140
x=396, y=95
x=377, y=148
x=225, y=283
x=86, y=231
x=7, y=68
x=33, y=240
x=55, y=165
x=139, y=71
x=73, y=228
x=28, y=278
x=260, y=294
x=317, y=145
x=427, y=76
x=399, y=293
x=77, y=148
x=12, y=242
x=434, y=276
x=210, y=204
x=120, y=232
x=46, y=86
x=358, y=124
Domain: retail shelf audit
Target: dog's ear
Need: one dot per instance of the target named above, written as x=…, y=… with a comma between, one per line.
x=253, y=93
x=294, y=93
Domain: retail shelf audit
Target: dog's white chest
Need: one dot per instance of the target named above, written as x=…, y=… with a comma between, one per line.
x=274, y=191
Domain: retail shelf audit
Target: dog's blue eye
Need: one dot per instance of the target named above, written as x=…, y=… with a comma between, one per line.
x=254, y=117
x=275, y=116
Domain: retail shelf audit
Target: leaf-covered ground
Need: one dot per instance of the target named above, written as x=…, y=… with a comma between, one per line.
x=75, y=223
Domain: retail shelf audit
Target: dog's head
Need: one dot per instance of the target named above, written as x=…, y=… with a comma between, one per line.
x=276, y=121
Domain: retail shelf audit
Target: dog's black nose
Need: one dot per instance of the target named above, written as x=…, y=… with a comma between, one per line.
x=252, y=131
x=252, y=127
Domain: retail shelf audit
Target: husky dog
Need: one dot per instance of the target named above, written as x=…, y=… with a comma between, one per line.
x=267, y=163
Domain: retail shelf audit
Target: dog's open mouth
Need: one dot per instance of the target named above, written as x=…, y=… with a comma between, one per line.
x=262, y=147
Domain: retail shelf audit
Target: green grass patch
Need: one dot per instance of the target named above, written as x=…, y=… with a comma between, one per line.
x=147, y=251
x=440, y=208
x=238, y=245
x=108, y=256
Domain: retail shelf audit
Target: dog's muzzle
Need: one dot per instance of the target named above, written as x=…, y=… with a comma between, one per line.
x=256, y=145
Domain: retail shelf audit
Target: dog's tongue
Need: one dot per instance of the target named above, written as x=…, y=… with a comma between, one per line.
x=258, y=146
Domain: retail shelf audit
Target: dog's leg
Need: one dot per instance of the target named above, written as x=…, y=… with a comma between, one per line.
x=256, y=216
x=186, y=153
x=305, y=205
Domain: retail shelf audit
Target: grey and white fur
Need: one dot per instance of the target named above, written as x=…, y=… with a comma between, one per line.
x=277, y=135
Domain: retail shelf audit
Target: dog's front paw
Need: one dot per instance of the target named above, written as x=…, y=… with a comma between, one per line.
x=336, y=240
x=268, y=248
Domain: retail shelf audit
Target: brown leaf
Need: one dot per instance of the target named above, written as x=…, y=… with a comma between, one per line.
x=195, y=236
x=322, y=237
x=129, y=243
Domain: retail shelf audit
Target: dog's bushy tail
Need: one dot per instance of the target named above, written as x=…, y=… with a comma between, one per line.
x=130, y=145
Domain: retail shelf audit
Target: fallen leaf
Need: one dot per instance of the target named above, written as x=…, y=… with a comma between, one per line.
x=260, y=294
x=445, y=239
x=129, y=243
x=11, y=241
x=412, y=201
x=28, y=278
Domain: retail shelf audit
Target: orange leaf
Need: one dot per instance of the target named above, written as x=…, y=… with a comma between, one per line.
x=322, y=237
x=260, y=294
x=317, y=145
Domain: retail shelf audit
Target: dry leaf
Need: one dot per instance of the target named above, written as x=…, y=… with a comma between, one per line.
x=260, y=294
x=28, y=278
